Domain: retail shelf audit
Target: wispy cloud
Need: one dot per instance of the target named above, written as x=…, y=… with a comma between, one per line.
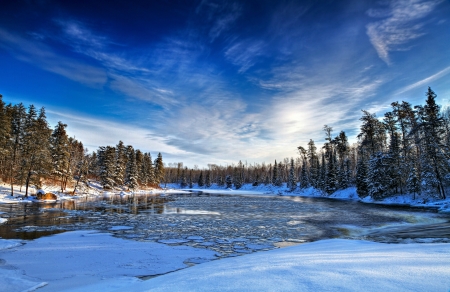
x=96, y=46
x=43, y=56
x=400, y=25
x=101, y=132
x=245, y=54
x=424, y=82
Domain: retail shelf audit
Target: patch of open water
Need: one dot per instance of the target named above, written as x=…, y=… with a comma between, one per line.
x=229, y=225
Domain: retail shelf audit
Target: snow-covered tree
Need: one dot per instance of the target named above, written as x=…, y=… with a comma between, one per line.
x=292, y=182
x=362, y=185
x=106, y=157
x=60, y=152
x=131, y=171
x=159, y=169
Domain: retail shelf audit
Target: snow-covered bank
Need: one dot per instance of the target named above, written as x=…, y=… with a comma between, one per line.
x=328, y=265
x=87, y=258
x=89, y=261
x=347, y=194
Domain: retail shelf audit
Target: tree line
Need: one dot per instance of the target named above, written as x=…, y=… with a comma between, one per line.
x=405, y=151
x=31, y=153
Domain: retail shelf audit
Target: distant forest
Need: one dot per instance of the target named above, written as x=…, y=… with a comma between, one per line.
x=407, y=151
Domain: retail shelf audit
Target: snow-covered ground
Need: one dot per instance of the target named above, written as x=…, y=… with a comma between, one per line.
x=90, y=261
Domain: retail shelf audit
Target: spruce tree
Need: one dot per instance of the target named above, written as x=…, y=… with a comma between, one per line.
x=201, y=181
x=106, y=158
x=183, y=183
x=378, y=176
x=159, y=169
x=121, y=162
x=362, y=185
x=59, y=148
x=292, y=183
x=208, y=179
x=413, y=183
x=131, y=171
x=229, y=181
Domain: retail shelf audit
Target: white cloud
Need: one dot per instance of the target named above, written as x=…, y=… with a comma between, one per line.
x=244, y=54
x=399, y=26
x=424, y=82
x=44, y=57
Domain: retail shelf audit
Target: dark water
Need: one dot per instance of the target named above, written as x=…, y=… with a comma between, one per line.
x=227, y=224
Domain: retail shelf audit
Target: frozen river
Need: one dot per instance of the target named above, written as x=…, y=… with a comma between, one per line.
x=228, y=225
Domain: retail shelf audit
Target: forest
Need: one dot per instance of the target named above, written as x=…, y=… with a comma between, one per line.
x=406, y=151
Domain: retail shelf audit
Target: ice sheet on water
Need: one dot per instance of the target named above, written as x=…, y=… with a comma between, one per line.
x=195, y=237
x=120, y=227
x=173, y=241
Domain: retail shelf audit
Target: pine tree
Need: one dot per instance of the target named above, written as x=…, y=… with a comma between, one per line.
x=275, y=174
x=434, y=154
x=292, y=183
x=159, y=169
x=107, y=165
x=201, y=181
x=131, y=171
x=190, y=179
x=36, y=154
x=18, y=115
x=362, y=185
x=183, y=183
x=229, y=181
x=331, y=184
x=378, y=176
x=208, y=179
x=413, y=183
x=59, y=148
x=121, y=162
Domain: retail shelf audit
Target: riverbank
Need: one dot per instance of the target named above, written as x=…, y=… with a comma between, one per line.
x=91, y=261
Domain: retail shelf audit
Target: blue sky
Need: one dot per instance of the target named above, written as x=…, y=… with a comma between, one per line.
x=220, y=81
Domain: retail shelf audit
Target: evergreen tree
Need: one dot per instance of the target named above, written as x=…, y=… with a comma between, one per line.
x=331, y=183
x=18, y=115
x=107, y=166
x=121, y=162
x=292, y=183
x=131, y=171
x=59, y=148
x=159, y=169
x=304, y=177
x=434, y=154
x=190, y=179
x=378, y=176
x=36, y=154
x=200, y=181
x=362, y=185
x=413, y=183
x=275, y=174
x=183, y=183
x=229, y=181
x=313, y=164
x=208, y=179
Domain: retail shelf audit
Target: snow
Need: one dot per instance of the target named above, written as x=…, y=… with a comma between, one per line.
x=67, y=260
x=3, y=220
x=91, y=261
x=329, y=265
